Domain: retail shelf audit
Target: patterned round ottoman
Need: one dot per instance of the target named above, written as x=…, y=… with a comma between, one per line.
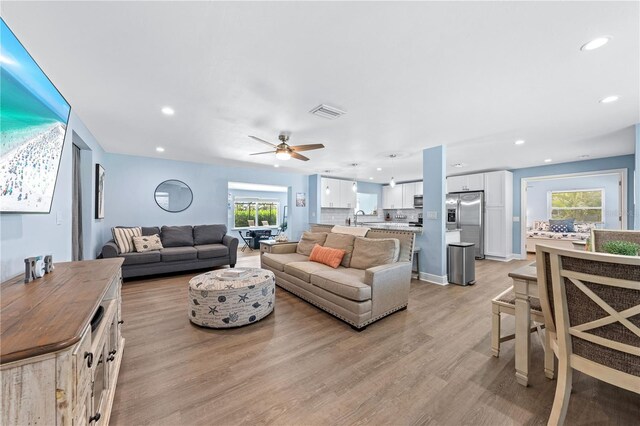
x=219, y=301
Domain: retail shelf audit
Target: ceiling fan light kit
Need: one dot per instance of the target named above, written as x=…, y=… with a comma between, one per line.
x=284, y=151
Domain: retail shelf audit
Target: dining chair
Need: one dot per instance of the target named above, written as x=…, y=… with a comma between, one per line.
x=505, y=303
x=601, y=236
x=265, y=223
x=594, y=306
x=251, y=222
x=248, y=240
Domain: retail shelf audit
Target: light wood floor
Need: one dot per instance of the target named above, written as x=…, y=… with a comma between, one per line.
x=430, y=364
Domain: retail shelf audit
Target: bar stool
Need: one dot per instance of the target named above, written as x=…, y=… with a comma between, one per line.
x=416, y=258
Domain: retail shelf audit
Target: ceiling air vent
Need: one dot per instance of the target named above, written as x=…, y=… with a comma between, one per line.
x=327, y=111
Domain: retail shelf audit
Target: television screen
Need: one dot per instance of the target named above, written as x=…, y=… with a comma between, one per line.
x=33, y=123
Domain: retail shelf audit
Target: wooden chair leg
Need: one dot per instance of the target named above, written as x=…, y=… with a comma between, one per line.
x=549, y=369
x=563, y=393
x=495, y=331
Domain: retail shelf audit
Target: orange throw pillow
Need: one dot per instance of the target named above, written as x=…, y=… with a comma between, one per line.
x=326, y=255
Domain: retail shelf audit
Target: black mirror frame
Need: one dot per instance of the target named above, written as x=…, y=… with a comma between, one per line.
x=173, y=180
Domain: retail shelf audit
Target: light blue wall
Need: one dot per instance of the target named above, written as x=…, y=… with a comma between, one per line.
x=131, y=182
x=611, y=163
x=537, y=199
x=433, y=254
x=636, y=223
x=26, y=235
x=314, y=198
x=280, y=196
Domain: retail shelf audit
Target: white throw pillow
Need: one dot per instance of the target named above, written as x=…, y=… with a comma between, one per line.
x=147, y=243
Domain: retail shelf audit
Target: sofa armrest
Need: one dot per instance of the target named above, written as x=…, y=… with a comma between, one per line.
x=232, y=244
x=284, y=248
x=389, y=287
x=110, y=249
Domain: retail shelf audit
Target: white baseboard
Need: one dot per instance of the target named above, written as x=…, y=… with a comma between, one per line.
x=499, y=259
x=434, y=279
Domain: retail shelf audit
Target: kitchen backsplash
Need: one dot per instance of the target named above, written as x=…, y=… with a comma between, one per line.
x=331, y=216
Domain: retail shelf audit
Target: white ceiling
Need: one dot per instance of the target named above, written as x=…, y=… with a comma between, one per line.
x=473, y=76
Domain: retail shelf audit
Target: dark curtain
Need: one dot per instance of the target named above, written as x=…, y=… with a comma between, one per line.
x=76, y=220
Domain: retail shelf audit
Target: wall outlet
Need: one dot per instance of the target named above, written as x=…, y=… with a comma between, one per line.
x=432, y=215
x=516, y=218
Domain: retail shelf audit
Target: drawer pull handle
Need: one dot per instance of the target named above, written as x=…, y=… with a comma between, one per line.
x=89, y=357
x=113, y=352
x=121, y=322
x=111, y=358
x=94, y=418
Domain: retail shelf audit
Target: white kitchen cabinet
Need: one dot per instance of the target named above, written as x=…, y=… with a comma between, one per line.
x=331, y=199
x=498, y=229
x=392, y=197
x=348, y=196
x=340, y=196
x=408, y=192
x=464, y=183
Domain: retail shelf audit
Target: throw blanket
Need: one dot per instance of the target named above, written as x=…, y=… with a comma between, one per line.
x=358, y=231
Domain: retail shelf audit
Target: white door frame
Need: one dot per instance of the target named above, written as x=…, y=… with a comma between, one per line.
x=622, y=175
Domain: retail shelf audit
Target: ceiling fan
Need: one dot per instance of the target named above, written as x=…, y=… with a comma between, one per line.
x=284, y=151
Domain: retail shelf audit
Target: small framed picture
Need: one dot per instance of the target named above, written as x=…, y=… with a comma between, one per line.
x=301, y=199
x=99, y=192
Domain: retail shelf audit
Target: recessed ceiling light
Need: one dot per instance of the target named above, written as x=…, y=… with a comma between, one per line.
x=276, y=165
x=379, y=169
x=596, y=43
x=458, y=165
x=548, y=160
x=167, y=110
x=371, y=178
x=583, y=156
x=519, y=142
x=609, y=99
x=159, y=149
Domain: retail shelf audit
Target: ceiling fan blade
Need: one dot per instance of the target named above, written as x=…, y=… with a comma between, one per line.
x=260, y=153
x=262, y=140
x=307, y=147
x=298, y=156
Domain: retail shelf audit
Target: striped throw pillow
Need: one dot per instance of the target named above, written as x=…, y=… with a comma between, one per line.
x=326, y=255
x=124, y=238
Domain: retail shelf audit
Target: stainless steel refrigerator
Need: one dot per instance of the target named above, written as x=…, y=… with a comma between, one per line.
x=465, y=211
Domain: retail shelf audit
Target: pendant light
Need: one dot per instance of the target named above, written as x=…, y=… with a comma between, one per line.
x=327, y=190
x=354, y=186
x=392, y=182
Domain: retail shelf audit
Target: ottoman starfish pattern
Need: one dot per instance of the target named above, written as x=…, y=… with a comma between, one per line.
x=219, y=302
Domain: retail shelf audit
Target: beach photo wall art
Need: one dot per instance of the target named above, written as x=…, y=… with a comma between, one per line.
x=33, y=124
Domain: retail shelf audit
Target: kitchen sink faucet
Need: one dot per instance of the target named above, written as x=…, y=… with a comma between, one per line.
x=355, y=216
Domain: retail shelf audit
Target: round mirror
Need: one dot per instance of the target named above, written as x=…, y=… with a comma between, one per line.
x=173, y=196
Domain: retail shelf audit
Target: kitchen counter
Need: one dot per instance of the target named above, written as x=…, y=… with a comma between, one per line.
x=395, y=226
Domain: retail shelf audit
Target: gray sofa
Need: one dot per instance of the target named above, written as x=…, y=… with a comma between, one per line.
x=184, y=248
x=372, y=281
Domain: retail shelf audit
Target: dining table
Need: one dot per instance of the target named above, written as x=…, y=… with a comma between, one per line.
x=525, y=285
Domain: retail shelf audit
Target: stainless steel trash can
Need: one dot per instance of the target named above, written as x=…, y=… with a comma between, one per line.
x=461, y=263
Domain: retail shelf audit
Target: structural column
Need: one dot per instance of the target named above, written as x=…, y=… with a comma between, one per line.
x=432, y=241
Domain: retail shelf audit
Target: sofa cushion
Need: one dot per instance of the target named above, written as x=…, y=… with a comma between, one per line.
x=303, y=270
x=308, y=240
x=343, y=242
x=177, y=236
x=170, y=254
x=138, y=258
x=277, y=261
x=208, y=251
x=345, y=282
x=326, y=255
x=150, y=230
x=370, y=252
x=208, y=234
x=147, y=243
x=123, y=236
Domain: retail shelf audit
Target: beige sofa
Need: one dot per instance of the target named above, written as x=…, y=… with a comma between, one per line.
x=359, y=291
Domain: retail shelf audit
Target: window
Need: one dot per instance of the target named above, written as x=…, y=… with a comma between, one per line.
x=582, y=205
x=257, y=211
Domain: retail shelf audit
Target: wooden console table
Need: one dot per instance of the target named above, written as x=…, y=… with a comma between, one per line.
x=55, y=369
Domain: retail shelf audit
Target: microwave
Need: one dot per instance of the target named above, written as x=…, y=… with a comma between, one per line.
x=417, y=201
